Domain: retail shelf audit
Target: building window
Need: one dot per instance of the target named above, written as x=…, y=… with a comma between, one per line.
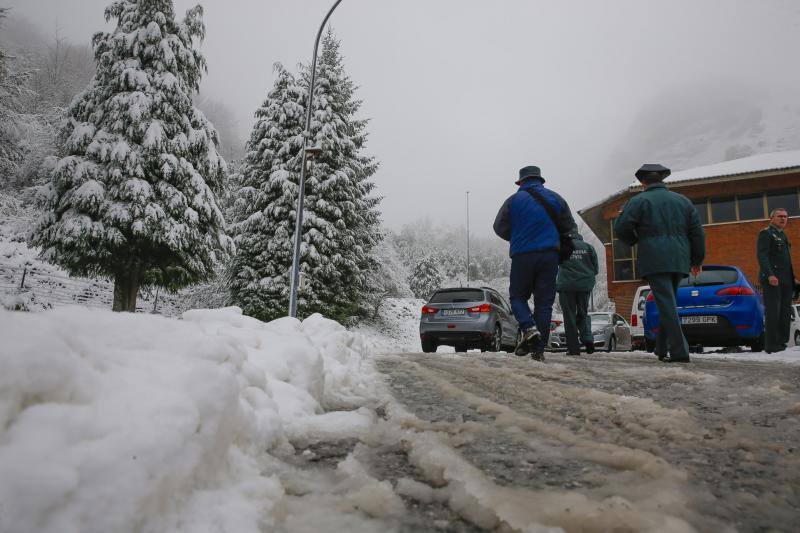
x=701, y=204
x=624, y=259
x=786, y=199
x=624, y=270
x=723, y=210
x=751, y=207
x=622, y=250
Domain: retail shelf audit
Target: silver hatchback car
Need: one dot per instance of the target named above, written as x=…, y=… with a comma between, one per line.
x=611, y=333
x=468, y=318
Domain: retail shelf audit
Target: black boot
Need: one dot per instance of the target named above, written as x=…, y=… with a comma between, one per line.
x=538, y=355
x=529, y=338
x=589, y=348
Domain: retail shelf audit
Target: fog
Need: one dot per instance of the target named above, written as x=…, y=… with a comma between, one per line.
x=460, y=94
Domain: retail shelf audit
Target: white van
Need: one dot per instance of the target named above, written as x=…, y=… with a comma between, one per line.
x=637, y=316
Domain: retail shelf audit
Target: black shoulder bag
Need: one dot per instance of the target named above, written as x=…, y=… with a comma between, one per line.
x=566, y=246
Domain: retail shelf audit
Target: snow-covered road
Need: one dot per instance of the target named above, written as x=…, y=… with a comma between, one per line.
x=608, y=442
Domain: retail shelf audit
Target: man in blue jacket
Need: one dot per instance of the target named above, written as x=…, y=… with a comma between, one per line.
x=535, y=238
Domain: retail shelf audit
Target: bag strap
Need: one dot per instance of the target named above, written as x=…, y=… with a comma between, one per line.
x=547, y=207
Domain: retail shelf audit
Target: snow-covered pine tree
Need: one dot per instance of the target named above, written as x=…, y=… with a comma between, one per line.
x=341, y=222
x=425, y=277
x=265, y=207
x=133, y=195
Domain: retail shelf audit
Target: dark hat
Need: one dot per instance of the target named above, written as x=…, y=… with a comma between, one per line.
x=652, y=170
x=529, y=172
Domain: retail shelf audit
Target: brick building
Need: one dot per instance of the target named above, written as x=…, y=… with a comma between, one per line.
x=733, y=199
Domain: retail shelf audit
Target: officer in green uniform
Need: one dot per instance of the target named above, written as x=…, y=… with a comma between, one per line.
x=777, y=280
x=574, y=284
x=671, y=241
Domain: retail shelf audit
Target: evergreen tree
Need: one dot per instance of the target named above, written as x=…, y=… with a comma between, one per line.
x=133, y=195
x=265, y=206
x=425, y=277
x=341, y=222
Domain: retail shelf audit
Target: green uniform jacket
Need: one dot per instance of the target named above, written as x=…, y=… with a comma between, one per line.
x=667, y=229
x=774, y=255
x=579, y=271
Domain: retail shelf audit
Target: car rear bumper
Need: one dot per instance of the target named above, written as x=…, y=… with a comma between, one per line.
x=450, y=337
x=723, y=333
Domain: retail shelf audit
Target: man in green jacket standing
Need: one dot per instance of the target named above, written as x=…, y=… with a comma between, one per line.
x=777, y=280
x=575, y=281
x=671, y=241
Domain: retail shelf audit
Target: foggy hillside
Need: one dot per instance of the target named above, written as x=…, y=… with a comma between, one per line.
x=705, y=124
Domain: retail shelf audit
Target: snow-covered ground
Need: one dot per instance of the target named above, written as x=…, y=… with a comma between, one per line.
x=133, y=422
x=395, y=328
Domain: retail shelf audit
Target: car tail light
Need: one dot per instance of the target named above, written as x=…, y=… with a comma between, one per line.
x=736, y=291
x=650, y=297
x=429, y=310
x=483, y=308
x=634, y=320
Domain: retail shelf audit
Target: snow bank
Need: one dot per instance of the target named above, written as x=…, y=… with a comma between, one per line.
x=133, y=422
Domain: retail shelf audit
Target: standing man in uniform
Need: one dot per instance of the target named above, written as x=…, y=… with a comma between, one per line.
x=574, y=284
x=672, y=243
x=534, y=220
x=777, y=280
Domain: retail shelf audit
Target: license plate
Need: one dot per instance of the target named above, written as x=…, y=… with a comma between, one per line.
x=699, y=319
x=451, y=312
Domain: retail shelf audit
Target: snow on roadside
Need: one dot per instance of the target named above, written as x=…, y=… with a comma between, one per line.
x=134, y=422
x=396, y=327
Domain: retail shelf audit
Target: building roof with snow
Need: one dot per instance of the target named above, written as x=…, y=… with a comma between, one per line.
x=744, y=168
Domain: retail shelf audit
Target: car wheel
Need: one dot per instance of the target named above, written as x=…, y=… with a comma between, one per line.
x=796, y=338
x=495, y=344
x=429, y=346
x=612, y=344
x=758, y=344
x=649, y=345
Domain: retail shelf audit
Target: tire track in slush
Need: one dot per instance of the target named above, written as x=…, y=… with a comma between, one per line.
x=615, y=441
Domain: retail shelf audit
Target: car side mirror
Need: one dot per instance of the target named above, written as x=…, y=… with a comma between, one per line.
x=619, y=323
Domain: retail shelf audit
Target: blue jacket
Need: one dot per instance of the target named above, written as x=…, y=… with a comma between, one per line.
x=524, y=222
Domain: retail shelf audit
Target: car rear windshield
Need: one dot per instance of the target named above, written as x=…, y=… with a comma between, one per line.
x=454, y=297
x=601, y=319
x=711, y=276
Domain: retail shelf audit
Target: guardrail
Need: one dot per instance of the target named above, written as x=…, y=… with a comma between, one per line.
x=32, y=287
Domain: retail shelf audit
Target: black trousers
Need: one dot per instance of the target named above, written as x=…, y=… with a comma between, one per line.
x=777, y=315
x=670, y=337
x=577, y=324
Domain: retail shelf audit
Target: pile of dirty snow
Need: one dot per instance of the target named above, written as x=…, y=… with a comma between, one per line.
x=134, y=422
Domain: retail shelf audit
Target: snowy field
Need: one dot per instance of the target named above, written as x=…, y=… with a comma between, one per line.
x=28, y=283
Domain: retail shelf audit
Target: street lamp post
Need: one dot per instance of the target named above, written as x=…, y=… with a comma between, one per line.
x=467, y=238
x=298, y=223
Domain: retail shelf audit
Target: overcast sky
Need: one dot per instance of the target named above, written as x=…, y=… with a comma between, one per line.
x=462, y=93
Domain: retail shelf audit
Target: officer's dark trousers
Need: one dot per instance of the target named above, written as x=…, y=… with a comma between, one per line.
x=534, y=273
x=577, y=323
x=670, y=338
x=777, y=315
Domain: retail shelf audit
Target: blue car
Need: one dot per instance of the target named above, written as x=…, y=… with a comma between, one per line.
x=717, y=308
